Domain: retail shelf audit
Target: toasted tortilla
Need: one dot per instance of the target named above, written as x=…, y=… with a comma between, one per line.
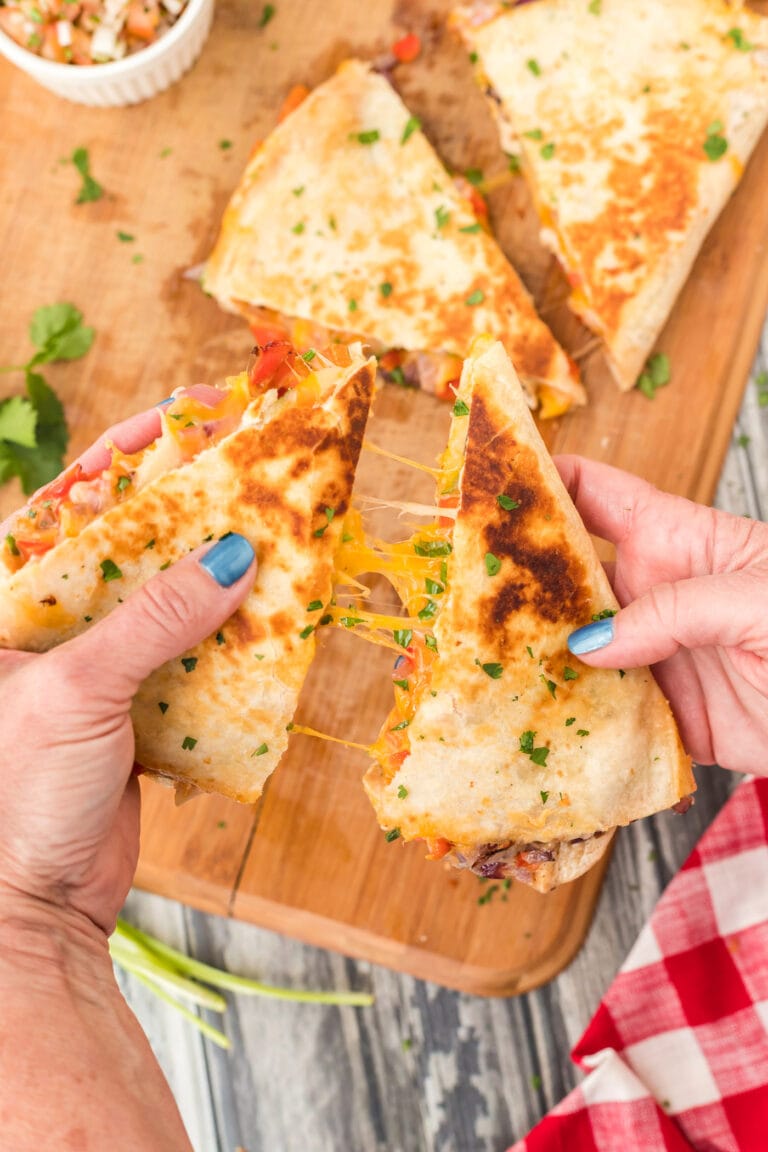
x=216, y=718
x=523, y=759
x=614, y=107
x=346, y=218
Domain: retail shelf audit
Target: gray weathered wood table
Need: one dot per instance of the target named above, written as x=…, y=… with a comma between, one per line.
x=425, y=1069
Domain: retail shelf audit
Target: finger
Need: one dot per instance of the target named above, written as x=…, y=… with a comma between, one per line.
x=140, y=430
x=170, y=614
x=606, y=497
x=706, y=611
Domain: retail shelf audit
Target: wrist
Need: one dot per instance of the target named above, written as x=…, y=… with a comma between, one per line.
x=49, y=945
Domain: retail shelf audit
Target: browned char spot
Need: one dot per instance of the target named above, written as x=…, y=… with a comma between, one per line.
x=551, y=578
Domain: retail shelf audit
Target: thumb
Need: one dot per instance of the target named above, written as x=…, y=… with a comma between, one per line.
x=719, y=611
x=169, y=614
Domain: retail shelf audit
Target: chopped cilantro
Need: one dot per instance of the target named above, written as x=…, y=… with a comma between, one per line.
x=526, y=741
x=225, y=145
x=350, y=621
x=352, y=305
x=402, y=636
x=326, y=619
x=472, y=228
x=492, y=564
x=507, y=503
x=163, y=567
x=544, y=797
x=582, y=731
x=413, y=124
x=739, y=40
x=10, y=542
x=402, y=792
x=569, y=721
x=314, y=605
x=432, y=548
x=529, y=650
x=539, y=756
x=550, y=685
x=534, y=67
x=189, y=662
x=715, y=144
x=332, y=223
x=428, y=611
x=534, y=134
x=399, y=727
x=475, y=298
x=393, y=834
x=125, y=237
x=605, y=614
x=656, y=374
x=474, y=176
x=432, y=587
x=622, y=673
x=123, y=483
x=260, y=751
x=137, y=259
x=188, y=743
x=402, y=684
x=385, y=289
x=514, y=164
x=162, y=706
x=150, y=544
x=298, y=228
x=570, y=674
x=306, y=632
x=493, y=670
x=220, y=638
x=460, y=408
x=369, y=137
x=267, y=12
x=547, y=150
x=87, y=619
x=309, y=355
x=430, y=642
x=442, y=216
x=90, y=189
x=743, y=440
x=473, y=57
x=298, y=191
x=110, y=571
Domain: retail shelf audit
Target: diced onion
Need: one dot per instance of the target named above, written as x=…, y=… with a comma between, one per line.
x=64, y=33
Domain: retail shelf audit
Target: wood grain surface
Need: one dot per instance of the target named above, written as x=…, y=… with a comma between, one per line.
x=309, y=859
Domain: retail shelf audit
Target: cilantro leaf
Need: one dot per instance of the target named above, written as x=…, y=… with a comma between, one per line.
x=90, y=188
x=57, y=331
x=18, y=419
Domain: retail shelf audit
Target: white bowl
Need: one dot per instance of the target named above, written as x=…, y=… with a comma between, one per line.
x=127, y=81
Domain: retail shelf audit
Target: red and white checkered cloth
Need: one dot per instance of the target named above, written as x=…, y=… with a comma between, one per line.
x=677, y=1052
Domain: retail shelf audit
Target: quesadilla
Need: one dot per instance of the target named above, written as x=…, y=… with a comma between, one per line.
x=634, y=123
x=345, y=224
x=274, y=460
x=504, y=752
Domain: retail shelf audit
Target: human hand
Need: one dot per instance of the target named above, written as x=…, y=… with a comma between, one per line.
x=693, y=585
x=69, y=799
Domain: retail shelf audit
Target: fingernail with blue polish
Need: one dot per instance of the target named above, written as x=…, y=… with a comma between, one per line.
x=591, y=637
x=228, y=560
x=164, y=403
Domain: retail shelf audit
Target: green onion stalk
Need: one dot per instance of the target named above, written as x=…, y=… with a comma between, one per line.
x=169, y=974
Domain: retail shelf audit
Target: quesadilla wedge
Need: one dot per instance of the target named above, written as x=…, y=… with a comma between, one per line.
x=504, y=752
x=634, y=123
x=345, y=223
x=274, y=460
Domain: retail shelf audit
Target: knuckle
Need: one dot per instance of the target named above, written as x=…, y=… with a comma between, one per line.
x=166, y=607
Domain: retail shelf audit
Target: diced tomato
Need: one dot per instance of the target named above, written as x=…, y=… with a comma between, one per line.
x=391, y=359
x=59, y=488
x=142, y=19
x=29, y=548
x=296, y=96
x=407, y=48
x=266, y=360
x=438, y=848
x=396, y=759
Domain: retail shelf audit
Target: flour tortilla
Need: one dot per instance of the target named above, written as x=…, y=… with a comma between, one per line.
x=466, y=779
x=271, y=480
x=320, y=221
x=611, y=122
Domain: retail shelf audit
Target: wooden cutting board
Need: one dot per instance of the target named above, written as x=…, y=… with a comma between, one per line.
x=308, y=859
